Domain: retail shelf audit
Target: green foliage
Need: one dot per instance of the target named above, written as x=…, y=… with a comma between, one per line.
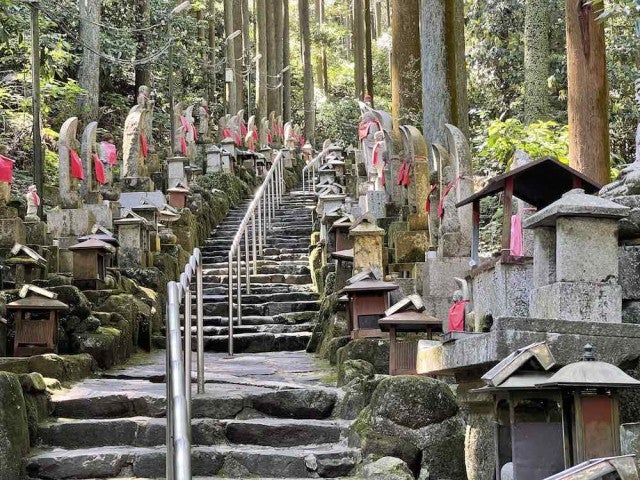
x=503, y=138
x=231, y=185
x=337, y=120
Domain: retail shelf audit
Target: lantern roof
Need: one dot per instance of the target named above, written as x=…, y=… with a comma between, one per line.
x=598, y=468
x=345, y=222
x=370, y=286
x=343, y=255
x=25, y=255
x=410, y=321
x=411, y=302
x=93, y=244
x=36, y=298
x=536, y=356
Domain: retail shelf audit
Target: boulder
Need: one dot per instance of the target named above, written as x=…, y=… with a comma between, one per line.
x=14, y=431
x=443, y=450
x=108, y=346
x=357, y=395
x=79, y=305
x=373, y=350
x=351, y=369
x=299, y=403
x=479, y=446
x=64, y=368
x=387, y=468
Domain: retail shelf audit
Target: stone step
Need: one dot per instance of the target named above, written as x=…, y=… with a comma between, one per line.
x=261, y=262
x=264, y=328
x=255, y=299
x=261, y=270
x=217, y=403
x=261, y=309
x=151, y=432
x=265, y=288
x=223, y=257
x=267, y=278
x=233, y=461
x=258, y=342
x=281, y=319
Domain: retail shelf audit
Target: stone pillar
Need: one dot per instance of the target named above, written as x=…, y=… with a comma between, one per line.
x=176, y=172
x=214, y=163
x=585, y=285
x=367, y=245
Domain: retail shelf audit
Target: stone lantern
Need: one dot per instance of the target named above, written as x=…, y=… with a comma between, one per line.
x=229, y=145
x=326, y=173
x=260, y=165
x=36, y=321
x=287, y=156
x=368, y=299
x=565, y=418
x=91, y=258
x=133, y=234
x=25, y=264
x=367, y=244
x=214, y=162
x=178, y=196
x=575, y=268
x=337, y=165
x=307, y=152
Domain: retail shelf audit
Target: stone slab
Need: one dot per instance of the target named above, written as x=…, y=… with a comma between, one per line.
x=11, y=231
x=103, y=215
x=411, y=246
x=503, y=290
x=70, y=222
x=578, y=302
x=613, y=343
x=629, y=272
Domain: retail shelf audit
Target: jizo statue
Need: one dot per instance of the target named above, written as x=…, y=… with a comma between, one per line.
x=33, y=202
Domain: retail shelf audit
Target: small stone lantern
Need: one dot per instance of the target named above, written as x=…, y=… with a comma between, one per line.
x=178, y=196
x=133, y=234
x=260, y=165
x=229, y=145
x=214, y=163
x=227, y=161
x=367, y=244
x=91, y=258
x=150, y=213
x=326, y=173
x=368, y=299
x=307, y=152
x=25, y=264
x=36, y=321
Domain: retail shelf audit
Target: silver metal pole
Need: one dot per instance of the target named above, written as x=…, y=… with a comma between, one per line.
x=260, y=223
x=200, y=320
x=269, y=204
x=169, y=396
x=247, y=261
x=230, y=293
x=239, y=293
x=253, y=241
x=187, y=348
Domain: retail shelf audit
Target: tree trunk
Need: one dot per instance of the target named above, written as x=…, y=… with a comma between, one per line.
x=536, y=61
x=305, y=38
x=286, y=61
x=238, y=51
x=457, y=65
x=211, y=80
x=142, y=19
x=378, y=19
x=247, y=51
x=325, y=69
x=230, y=64
x=406, y=100
x=318, y=64
x=261, y=74
x=587, y=92
x=89, y=73
x=368, y=54
x=278, y=36
x=358, y=48
x=272, y=81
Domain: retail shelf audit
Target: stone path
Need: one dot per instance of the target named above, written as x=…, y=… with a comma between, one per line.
x=266, y=412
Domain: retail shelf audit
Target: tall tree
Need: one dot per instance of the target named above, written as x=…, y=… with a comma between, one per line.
x=444, y=94
x=308, y=94
x=247, y=55
x=317, y=11
x=587, y=91
x=142, y=21
x=89, y=73
x=272, y=80
x=368, y=53
x=405, y=62
x=230, y=63
x=278, y=37
x=211, y=40
x=261, y=65
x=286, y=61
x=358, y=48
x=536, y=60
x=239, y=53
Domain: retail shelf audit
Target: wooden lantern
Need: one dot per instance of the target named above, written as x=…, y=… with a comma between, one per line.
x=25, y=264
x=178, y=196
x=368, y=300
x=91, y=258
x=36, y=321
x=340, y=231
x=407, y=316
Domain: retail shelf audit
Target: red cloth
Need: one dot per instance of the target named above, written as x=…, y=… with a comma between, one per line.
x=238, y=139
x=406, y=178
x=144, y=146
x=76, y=165
x=195, y=132
x=400, y=174
x=383, y=180
x=254, y=134
x=444, y=195
x=427, y=206
x=35, y=198
x=183, y=145
x=6, y=169
x=110, y=152
x=363, y=128
x=98, y=167
x=269, y=138
x=376, y=153
x=516, y=245
x=456, y=316
x=227, y=133
x=185, y=124
x=243, y=129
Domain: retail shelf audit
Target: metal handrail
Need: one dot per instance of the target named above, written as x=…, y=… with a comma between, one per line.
x=178, y=376
x=263, y=207
x=314, y=165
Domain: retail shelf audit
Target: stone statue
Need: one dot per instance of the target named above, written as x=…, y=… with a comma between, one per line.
x=135, y=141
x=203, y=121
x=33, y=202
x=625, y=190
x=71, y=170
x=94, y=175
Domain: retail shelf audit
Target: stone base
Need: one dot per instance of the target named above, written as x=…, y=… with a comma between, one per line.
x=36, y=233
x=613, y=343
x=418, y=221
x=70, y=222
x=578, y=302
x=439, y=284
x=629, y=272
x=411, y=246
x=103, y=215
x=137, y=184
x=454, y=245
x=502, y=290
x=12, y=231
x=376, y=203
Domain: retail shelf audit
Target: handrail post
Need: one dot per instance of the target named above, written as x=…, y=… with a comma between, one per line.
x=187, y=342
x=269, y=200
x=230, y=292
x=260, y=246
x=247, y=261
x=253, y=242
x=239, y=293
x=169, y=396
x=200, y=321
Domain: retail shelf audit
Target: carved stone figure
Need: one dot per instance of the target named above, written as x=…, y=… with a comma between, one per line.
x=203, y=121
x=71, y=170
x=136, y=136
x=33, y=202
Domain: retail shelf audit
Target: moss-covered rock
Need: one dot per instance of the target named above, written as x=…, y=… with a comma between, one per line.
x=332, y=347
x=357, y=395
x=387, y=468
x=32, y=382
x=137, y=314
x=64, y=368
x=323, y=321
x=352, y=369
x=373, y=350
x=79, y=305
x=315, y=267
x=14, y=430
x=108, y=346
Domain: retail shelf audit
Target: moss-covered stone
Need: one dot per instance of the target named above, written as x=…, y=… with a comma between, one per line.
x=357, y=395
x=14, y=430
x=315, y=267
x=32, y=382
x=64, y=368
x=323, y=320
x=352, y=369
x=108, y=346
x=332, y=347
x=387, y=468
x=373, y=350
x=79, y=305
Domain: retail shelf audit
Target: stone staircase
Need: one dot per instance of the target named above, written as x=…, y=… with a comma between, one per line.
x=266, y=413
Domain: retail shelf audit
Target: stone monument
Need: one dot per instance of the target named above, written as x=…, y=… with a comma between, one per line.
x=135, y=144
